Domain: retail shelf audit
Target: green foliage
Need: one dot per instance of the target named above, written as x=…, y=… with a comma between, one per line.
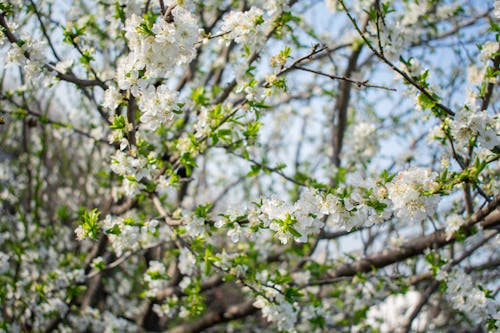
x=89, y=221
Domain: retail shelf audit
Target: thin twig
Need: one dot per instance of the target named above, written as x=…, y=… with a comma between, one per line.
x=359, y=84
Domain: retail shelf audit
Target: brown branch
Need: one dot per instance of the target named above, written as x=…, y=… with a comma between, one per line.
x=211, y=282
x=214, y=317
x=339, y=121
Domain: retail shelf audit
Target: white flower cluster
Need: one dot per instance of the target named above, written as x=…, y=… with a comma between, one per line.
x=195, y=226
x=125, y=234
x=480, y=74
x=363, y=203
x=407, y=27
x=156, y=278
x=366, y=205
x=63, y=279
x=159, y=48
x=112, y=324
x=466, y=297
x=157, y=106
x=408, y=194
x=112, y=98
x=33, y=65
x=488, y=51
x=227, y=263
x=187, y=262
x=124, y=164
x=54, y=306
x=133, y=169
x=244, y=231
x=470, y=123
x=278, y=310
x=64, y=66
x=243, y=27
x=168, y=308
x=291, y=221
x=91, y=319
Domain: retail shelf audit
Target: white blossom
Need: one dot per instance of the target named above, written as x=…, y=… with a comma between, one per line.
x=112, y=98
x=408, y=194
x=468, y=124
x=243, y=27
x=156, y=278
x=187, y=262
x=466, y=297
x=453, y=223
x=157, y=106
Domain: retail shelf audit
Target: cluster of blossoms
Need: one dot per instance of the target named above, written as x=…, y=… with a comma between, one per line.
x=168, y=308
x=408, y=26
x=472, y=124
x=32, y=64
x=478, y=74
x=91, y=319
x=187, y=262
x=468, y=298
x=275, y=308
x=124, y=164
x=156, y=278
x=469, y=124
x=412, y=194
x=39, y=292
x=244, y=27
x=133, y=169
x=157, y=46
x=126, y=233
x=291, y=221
x=363, y=204
x=112, y=98
x=158, y=106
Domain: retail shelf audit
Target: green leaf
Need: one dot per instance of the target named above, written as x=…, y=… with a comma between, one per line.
x=255, y=170
x=294, y=232
x=115, y=230
x=377, y=205
x=425, y=102
x=292, y=293
x=119, y=122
